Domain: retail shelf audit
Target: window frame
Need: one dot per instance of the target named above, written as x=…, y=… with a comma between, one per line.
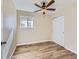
x=27, y=19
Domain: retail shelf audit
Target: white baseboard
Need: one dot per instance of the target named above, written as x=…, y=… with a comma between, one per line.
x=12, y=53
x=59, y=43
x=71, y=50
x=32, y=42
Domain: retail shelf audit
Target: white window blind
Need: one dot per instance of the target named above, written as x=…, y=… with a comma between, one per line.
x=26, y=22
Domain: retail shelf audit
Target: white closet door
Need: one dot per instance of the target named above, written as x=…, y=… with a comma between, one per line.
x=58, y=30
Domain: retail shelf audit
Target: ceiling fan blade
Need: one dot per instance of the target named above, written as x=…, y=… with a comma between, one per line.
x=51, y=9
x=37, y=11
x=37, y=5
x=52, y=1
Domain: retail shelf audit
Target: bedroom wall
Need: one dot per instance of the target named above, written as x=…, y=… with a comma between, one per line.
x=41, y=31
x=70, y=25
x=70, y=14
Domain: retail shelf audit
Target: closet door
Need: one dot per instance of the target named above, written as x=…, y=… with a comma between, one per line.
x=58, y=30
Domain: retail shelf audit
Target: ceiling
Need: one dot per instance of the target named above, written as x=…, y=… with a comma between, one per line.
x=28, y=5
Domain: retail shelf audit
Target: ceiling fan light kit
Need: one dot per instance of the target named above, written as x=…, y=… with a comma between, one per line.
x=44, y=6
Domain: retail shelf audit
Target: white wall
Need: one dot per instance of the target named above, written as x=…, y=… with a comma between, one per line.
x=71, y=27
x=41, y=31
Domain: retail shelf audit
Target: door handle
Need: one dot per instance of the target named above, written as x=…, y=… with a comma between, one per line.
x=3, y=43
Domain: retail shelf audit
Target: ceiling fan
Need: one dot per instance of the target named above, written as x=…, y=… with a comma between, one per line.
x=45, y=6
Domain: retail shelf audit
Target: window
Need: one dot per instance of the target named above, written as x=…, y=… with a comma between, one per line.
x=26, y=22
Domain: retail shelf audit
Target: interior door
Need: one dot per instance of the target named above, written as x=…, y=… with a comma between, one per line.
x=58, y=30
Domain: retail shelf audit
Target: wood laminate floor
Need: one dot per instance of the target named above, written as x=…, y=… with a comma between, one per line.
x=45, y=50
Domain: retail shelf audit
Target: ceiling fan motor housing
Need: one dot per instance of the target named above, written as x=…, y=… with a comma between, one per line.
x=44, y=13
x=44, y=5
